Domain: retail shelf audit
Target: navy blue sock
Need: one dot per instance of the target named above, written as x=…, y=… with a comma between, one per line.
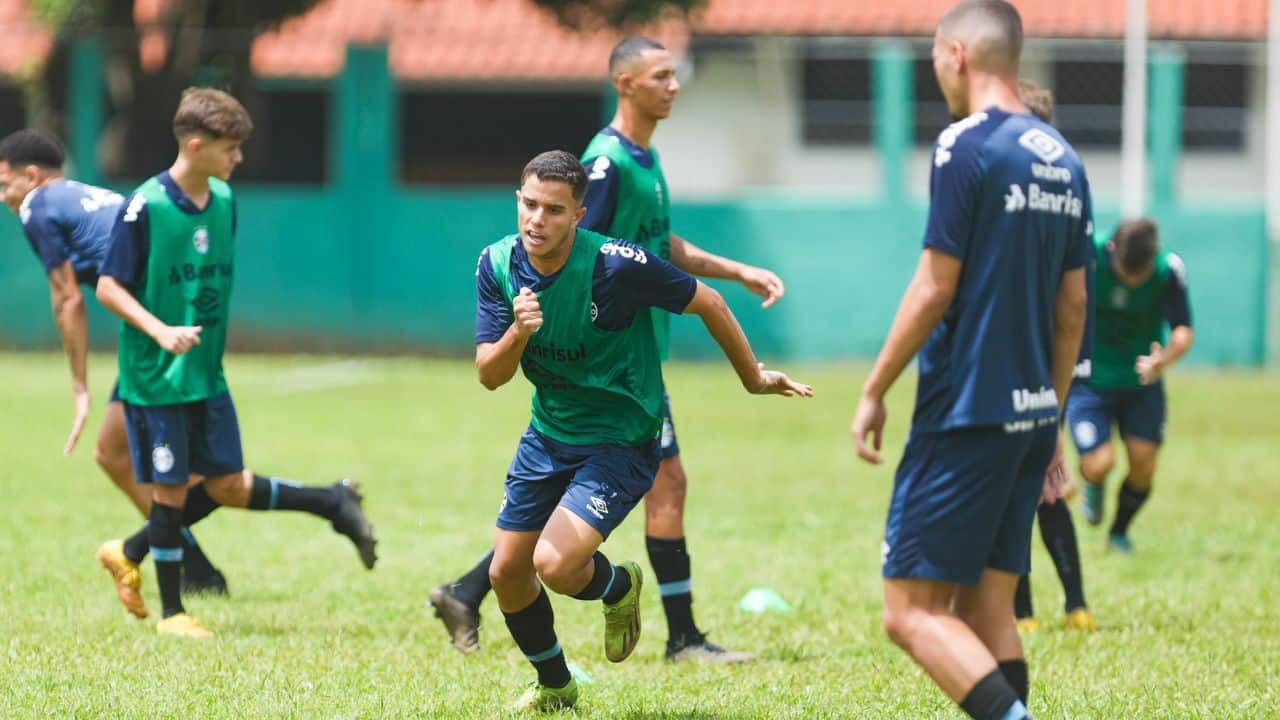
x=165, y=533
x=277, y=494
x=671, y=568
x=474, y=585
x=137, y=545
x=608, y=581
x=533, y=629
x=1059, y=535
x=1128, y=503
x=1015, y=671
x=992, y=698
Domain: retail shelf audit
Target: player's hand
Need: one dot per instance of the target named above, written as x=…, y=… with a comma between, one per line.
x=528, y=313
x=1149, y=367
x=81, y=397
x=763, y=283
x=178, y=339
x=869, y=419
x=1057, y=480
x=773, y=382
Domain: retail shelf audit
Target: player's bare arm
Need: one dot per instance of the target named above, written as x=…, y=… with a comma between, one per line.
x=925, y=301
x=696, y=261
x=73, y=327
x=117, y=298
x=497, y=362
x=724, y=328
x=1152, y=365
x=1068, y=331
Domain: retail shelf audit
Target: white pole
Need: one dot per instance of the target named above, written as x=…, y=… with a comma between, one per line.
x=1273, y=180
x=1133, y=143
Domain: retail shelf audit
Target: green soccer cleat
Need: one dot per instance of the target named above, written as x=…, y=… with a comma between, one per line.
x=540, y=698
x=622, y=619
x=1120, y=544
x=1093, y=495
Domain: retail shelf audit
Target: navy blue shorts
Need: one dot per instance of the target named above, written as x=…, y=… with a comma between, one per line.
x=669, y=445
x=598, y=483
x=964, y=500
x=169, y=443
x=1139, y=412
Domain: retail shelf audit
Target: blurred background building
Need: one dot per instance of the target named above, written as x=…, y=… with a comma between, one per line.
x=391, y=133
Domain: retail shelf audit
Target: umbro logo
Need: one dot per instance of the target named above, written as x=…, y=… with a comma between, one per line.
x=598, y=507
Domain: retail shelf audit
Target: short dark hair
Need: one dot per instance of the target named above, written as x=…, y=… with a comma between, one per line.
x=32, y=147
x=1135, y=244
x=630, y=48
x=996, y=22
x=207, y=111
x=560, y=166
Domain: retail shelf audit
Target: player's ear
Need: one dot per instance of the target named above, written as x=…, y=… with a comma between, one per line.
x=579, y=213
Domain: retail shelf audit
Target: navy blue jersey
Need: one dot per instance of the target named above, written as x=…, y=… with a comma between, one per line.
x=620, y=288
x=66, y=220
x=130, y=244
x=1010, y=200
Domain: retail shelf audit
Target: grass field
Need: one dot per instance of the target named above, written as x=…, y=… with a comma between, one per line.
x=1190, y=626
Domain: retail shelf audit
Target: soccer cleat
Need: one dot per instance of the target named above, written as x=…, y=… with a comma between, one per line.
x=1028, y=625
x=350, y=520
x=461, y=621
x=184, y=626
x=1081, y=619
x=622, y=619
x=127, y=576
x=1093, y=495
x=211, y=584
x=540, y=698
x=698, y=650
x=1120, y=544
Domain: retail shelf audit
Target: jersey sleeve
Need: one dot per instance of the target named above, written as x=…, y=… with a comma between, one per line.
x=953, y=196
x=1177, y=306
x=47, y=238
x=601, y=199
x=130, y=243
x=642, y=279
x=493, y=316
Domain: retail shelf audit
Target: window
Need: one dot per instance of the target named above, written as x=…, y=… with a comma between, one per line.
x=836, y=103
x=1214, y=112
x=485, y=137
x=1089, y=96
x=290, y=142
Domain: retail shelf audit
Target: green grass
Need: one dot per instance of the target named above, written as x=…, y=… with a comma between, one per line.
x=776, y=499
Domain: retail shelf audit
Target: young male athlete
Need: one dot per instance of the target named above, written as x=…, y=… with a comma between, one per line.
x=627, y=198
x=168, y=273
x=67, y=225
x=1140, y=287
x=571, y=309
x=1056, y=527
x=997, y=310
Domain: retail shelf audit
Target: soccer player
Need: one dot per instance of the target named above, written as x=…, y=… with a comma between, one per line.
x=627, y=198
x=571, y=309
x=168, y=274
x=997, y=310
x=1056, y=527
x=67, y=224
x=1140, y=287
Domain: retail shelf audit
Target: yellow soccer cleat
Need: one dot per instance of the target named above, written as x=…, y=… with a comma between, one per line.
x=1028, y=625
x=183, y=625
x=1081, y=619
x=127, y=576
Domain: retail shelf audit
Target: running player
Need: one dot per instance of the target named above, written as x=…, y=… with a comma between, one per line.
x=997, y=310
x=1056, y=527
x=67, y=224
x=571, y=309
x=627, y=198
x=168, y=274
x=1141, y=287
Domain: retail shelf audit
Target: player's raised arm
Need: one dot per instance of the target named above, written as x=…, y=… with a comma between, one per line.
x=696, y=261
x=724, y=328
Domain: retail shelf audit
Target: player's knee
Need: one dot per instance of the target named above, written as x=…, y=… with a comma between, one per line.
x=899, y=624
x=503, y=575
x=554, y=571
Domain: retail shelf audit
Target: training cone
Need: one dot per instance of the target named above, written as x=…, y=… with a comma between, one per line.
x=763, y=600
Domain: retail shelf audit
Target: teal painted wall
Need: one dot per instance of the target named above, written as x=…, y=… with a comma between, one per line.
x=366, y=266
